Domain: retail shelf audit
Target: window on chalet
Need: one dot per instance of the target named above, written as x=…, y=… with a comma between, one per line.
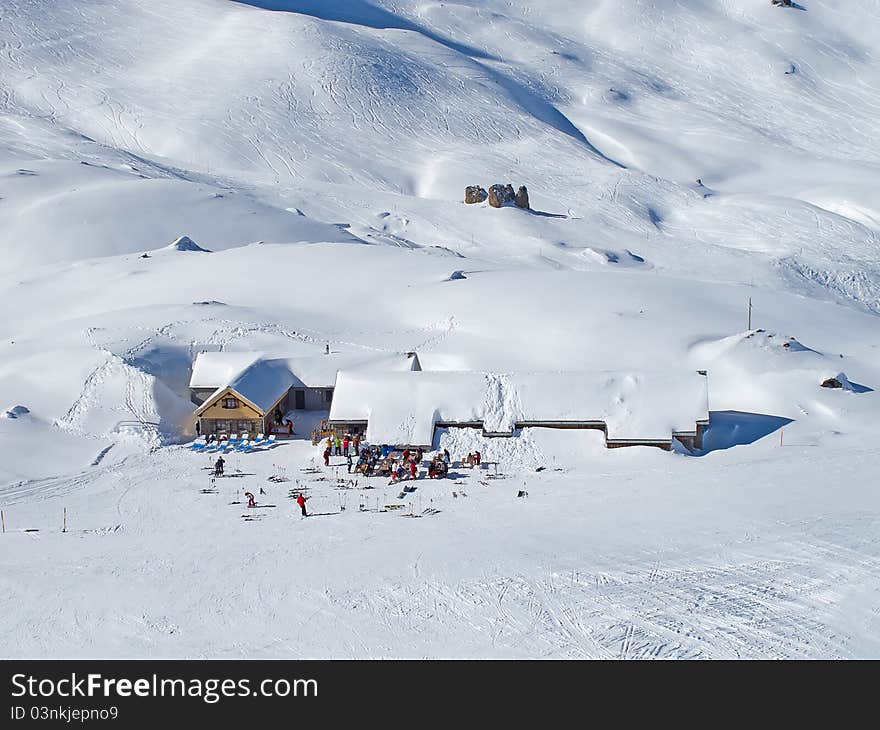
x=230, y=402
x=328, y=396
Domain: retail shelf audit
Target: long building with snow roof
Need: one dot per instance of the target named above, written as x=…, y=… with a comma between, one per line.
x=632, y=409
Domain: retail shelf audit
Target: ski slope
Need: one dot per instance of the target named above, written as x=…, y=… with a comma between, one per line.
x=683, y=159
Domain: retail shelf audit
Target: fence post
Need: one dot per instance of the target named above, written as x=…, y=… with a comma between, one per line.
x=3, y=521
x=64, y=529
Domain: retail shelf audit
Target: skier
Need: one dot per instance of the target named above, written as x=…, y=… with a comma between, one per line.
x=446, y=457
x=345, y=445
x=348, y=457
x=478, y=457
x=357, y=445
x=218, y=466
x=251, y=501
x=338, y=444
x=301, y=501
x=413, y=469
x=327, y=456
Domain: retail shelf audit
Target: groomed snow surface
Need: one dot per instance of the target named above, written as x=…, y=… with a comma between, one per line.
x=264, y=180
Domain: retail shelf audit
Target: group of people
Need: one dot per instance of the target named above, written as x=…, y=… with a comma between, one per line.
x=439, y=466
x=473, y=459
x=347, y=446
x=386, y=461
x=408, y=468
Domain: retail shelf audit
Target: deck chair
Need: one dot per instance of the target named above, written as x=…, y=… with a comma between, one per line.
x=243, y=445
x=259, y=439
x=222, y=445
x=245, y=436
x=198, y=444
x=270, y=440
x=234, y=438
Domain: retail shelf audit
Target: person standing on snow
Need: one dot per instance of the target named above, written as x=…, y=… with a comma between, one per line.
x=301, y=501
x=218, y=466
x=357, y=445
x=345, y=445
x=338, y=444
x=348, y=457
x=446, y=456
x=413, y=469
x=327, y=456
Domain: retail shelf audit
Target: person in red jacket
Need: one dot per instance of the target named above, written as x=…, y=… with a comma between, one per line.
x=327, y=456
x=413, y=469
x=301, y=501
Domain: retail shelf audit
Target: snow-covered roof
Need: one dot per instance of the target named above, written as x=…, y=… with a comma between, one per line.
x=264, y=383
x=216, y=369
x=264, y=380
x=403, y=408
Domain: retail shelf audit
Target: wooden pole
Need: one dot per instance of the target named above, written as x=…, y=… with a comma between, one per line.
x=3, y=520
x=750, y=314
x=781, y=431
x=64, y=529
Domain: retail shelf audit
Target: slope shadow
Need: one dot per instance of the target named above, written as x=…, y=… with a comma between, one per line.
x=738, y=428
x=363, y=13
x=858, y=388
x=545, y=214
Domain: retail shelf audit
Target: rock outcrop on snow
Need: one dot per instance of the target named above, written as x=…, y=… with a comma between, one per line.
x=474, y=194
x=838, y=381
x=15, y=412
x=500, y=195
x=185, y=243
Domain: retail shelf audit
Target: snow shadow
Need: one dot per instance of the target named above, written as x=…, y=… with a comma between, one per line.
x=363, y=13
x=738, y=428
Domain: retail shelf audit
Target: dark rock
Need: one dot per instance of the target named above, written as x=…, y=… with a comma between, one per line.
x=474, y=194
x=522, y=197
x=501, y=195
x=831, y=383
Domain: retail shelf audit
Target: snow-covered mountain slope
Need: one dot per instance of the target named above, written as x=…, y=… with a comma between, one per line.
x=682, y=157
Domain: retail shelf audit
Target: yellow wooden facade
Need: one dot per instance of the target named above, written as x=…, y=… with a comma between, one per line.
x=215, y=417
x=215, y=407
